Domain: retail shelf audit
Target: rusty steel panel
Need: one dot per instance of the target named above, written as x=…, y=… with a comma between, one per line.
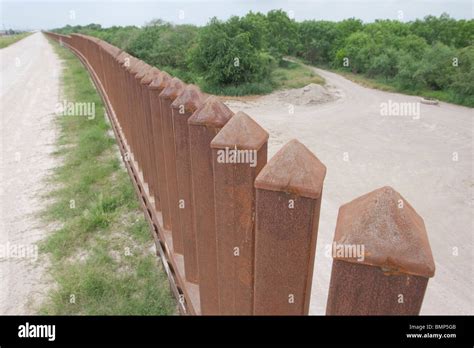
x=204, y=124
x=133, y=69
x=150, y=177
x=152, y=74
x=143, y=158
x=132, y=108
x=393, y=262
x=182, y=108
x=156, y=87
x=122, y=91
x=239, y=154
x=149, y=156
x=289, y=192
x=167, y=96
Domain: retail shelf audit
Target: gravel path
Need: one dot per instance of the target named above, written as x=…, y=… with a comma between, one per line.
x=29, y=92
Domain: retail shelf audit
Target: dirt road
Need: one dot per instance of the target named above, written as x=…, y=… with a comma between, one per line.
x=364, y=150
x=29, y=92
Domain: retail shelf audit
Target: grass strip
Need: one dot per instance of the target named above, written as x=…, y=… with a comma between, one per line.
x=102, y=253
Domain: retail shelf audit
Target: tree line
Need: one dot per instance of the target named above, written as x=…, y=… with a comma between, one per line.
x=434, y=55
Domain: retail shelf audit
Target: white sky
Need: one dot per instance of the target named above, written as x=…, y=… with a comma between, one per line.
x=20, y=14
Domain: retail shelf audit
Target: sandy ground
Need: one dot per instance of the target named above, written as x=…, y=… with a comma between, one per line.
x=29, y=92
x=414, y=156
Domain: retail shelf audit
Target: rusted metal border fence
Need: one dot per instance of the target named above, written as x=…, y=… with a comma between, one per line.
x=237, y=235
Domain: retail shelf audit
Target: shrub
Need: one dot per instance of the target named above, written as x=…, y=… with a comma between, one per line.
x=436, y=69
x=223, y=57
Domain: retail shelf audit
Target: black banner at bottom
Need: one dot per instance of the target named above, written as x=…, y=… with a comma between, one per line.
x=52, y=330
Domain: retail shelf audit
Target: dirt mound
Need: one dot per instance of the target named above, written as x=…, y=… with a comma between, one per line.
x=308, y=95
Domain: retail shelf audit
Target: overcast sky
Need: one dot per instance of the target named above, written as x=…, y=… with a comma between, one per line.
x=19, y=14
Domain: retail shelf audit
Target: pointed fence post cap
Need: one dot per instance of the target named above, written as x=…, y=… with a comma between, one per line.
x=122, y=57
x=160, y=81
x=150, y=75
x=133, y=65
x=81, y=36
x=190, y=99
x=293, y=169
x=93, y=39
x=392, y=233
x=132, y=61
x=213, y=113
x=110, y=49
x=241, y=132
x=141, y=73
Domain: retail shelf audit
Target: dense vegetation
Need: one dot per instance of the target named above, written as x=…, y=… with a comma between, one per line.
x=433, y=56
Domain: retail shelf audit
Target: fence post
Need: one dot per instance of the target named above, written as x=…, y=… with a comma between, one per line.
x=153, y=174
x=126, y=61
x=169, y=94
x=134, y=110
x=239, y=153
x=203, y=125
x=289, y=193
x=156, y=87
x=182, y=108
x=382, y=257
x=145, y=128
x=139, y=155
x=123, y=91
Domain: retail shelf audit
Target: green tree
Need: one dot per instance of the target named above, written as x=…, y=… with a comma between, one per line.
x=414, y=45
x=358, y=49
x=407, y=68
x=147, y=42
x=463, y=80
x=172, y=46
x=317, y=39
x=385, y=64
x=436, y=68
x=255, y=25
x=281, y=34
x=444, y=29
x=223, y=56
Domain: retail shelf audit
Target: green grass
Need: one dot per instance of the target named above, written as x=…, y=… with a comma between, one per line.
x=11, y=39
x=295, y=75
x=243, y=89
x=101, y=254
